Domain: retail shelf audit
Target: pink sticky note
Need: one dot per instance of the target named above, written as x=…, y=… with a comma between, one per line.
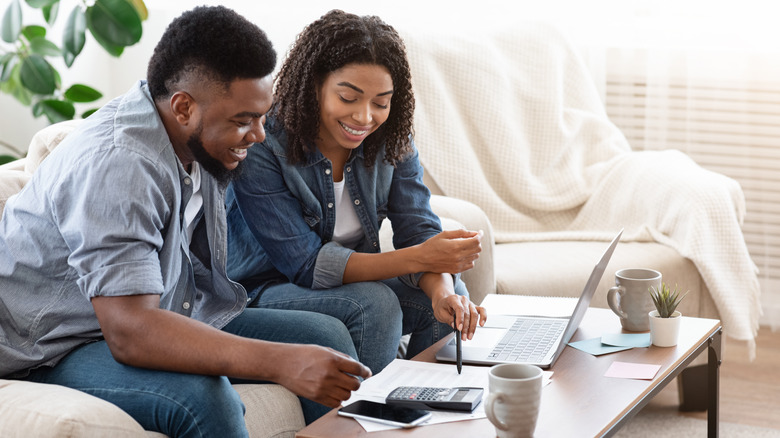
x=627, y=370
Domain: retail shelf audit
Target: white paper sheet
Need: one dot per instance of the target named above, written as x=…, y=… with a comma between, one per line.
x=402, y=372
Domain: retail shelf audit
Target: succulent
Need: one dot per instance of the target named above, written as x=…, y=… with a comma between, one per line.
x=666, y=300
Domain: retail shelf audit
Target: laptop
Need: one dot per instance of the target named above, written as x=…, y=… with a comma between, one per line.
x=527, y=339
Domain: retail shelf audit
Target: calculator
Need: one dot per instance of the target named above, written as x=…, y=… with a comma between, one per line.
x=432, y=398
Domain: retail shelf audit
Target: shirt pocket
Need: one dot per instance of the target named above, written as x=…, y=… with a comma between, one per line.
x=311, y=217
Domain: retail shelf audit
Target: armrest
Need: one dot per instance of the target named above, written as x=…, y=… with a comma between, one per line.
x=481, y=280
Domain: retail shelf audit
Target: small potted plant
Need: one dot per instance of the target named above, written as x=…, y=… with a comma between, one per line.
x=665, y=319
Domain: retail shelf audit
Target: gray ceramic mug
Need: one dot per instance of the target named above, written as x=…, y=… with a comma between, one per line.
x=514, y=398
x=630, y=297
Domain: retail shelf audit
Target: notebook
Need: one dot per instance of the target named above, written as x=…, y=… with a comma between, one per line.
x=524, y=338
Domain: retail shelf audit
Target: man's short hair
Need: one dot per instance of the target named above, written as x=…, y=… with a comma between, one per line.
x=214, y=43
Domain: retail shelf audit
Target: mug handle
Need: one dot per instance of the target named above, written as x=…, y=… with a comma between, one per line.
x=493, y=398
x=614, y=300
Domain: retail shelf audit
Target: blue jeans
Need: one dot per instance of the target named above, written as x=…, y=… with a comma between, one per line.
x=376, y=314
x=190, y=405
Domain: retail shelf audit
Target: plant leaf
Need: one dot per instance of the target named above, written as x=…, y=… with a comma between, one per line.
x=12, y=22
x=44, y=47
x=37, y=109
x=37, y=75
x=115, y=21
x=37, y=4
x=74, y=36
x=112, y=49
x=7, y=63
x=88, y=113
x=6, y=159
x=140, y=7
x=57, y=79
x=50, y=13
x=68, y=57
x=82, y=94
x=12, y=85
x=57, y=110
x=33, y=31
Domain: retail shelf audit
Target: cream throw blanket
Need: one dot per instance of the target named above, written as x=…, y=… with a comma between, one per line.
x=512, y=122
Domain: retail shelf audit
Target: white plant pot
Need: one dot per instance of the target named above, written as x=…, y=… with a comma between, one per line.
x=664, y=331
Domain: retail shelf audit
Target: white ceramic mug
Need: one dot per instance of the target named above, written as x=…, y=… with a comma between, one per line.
x=630, y=297
x=514, y=396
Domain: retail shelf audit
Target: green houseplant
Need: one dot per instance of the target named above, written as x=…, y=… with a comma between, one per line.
x=26, y=72
x=666, y=300
x=665, y=319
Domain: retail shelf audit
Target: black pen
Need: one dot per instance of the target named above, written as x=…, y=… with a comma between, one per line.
x=458, y=356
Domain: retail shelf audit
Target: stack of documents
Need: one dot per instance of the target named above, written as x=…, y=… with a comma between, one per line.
x=402, y=372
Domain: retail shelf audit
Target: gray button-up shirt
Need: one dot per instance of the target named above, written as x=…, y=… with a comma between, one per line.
x=103, y=216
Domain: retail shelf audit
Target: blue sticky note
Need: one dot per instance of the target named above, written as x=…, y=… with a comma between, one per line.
x=626, y=339
x=595, y=347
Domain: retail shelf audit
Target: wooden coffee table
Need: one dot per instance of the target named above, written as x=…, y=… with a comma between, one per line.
x=580, y=401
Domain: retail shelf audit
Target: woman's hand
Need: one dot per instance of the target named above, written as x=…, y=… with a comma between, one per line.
x=451, y=251
x=467, y=315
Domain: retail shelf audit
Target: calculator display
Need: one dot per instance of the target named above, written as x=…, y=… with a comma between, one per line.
x=459, y=395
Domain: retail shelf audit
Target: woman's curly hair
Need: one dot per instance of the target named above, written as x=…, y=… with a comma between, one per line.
x=326, y=45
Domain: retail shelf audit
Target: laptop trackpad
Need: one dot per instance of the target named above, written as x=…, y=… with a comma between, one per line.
x=499, y=321
x=478, y=348
x=475, y=349
x=486, y=336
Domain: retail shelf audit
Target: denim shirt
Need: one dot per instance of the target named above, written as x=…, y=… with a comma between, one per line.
x=281, y=217
x=103, y=216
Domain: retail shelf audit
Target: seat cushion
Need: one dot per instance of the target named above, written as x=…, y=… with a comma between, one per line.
x=37, y=409
x=561, y=268
x=271, y=410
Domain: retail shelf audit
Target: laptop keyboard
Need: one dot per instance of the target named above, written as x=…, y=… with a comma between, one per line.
x=528, y=340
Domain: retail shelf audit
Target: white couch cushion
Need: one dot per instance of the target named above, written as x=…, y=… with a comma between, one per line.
x=35, y=409
x=271, y=410
x=562, y=269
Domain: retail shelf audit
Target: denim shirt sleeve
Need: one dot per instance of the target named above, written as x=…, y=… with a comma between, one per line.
x=330, y=266
x=409, y=210
x=276, y=218
x=114, y=233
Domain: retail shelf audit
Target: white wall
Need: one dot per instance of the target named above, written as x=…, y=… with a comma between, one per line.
x=591, y=22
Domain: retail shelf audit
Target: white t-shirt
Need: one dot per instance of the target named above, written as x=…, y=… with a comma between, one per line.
x=348, y=231
x=195, y=203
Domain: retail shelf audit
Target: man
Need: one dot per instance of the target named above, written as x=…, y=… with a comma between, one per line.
x=112, y=258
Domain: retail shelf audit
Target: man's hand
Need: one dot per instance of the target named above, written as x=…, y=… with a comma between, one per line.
x=450, y=252
x=321, y=374
x=467, y=314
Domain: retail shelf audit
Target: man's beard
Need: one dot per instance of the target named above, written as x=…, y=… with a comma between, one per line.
x=209, y=163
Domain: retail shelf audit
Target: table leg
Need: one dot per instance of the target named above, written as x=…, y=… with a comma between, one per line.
x=713, y=383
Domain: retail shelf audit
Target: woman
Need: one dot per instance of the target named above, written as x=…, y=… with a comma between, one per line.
x=337, y=160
